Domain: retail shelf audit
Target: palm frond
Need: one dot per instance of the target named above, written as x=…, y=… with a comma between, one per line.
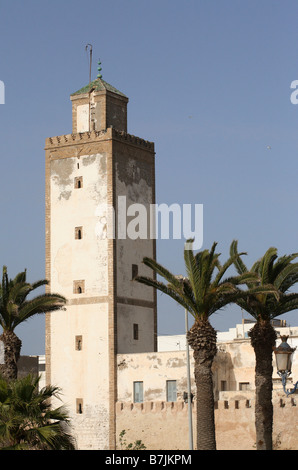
x=179, y=296
x=239, y=265
x=265, y=289
x=281, y=263
x=249, y=278
x=287, y=303
x=39, y=305
x=20, y=277
x=289, y=282
x=256, y=266
x=27, y=420
x=41, y=283
x=192, y=270
x=222, y=270
x=266, y=263
x=162, y=271
x=287, y=277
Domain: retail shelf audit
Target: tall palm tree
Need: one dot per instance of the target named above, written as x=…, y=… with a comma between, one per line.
x=282, y=274
x=27, y=420
x=16, y=308
x=203, y=292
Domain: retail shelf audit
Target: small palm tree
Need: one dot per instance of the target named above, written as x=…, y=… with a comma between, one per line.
x=264, y=307
x=27, y=421
x=15, y=308
x=203, y=292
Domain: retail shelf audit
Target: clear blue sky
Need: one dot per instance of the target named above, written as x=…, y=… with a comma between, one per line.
x=208, y=82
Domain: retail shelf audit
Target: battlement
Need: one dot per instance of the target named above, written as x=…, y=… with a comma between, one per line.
x=95, y=136
x=181, y=406
x=153, y=406
x=164, y=425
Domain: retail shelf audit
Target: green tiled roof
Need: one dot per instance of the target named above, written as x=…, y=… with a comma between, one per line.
x=98, y=85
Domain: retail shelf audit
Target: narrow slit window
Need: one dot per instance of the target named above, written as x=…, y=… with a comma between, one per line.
x=134, y=271
x=78, y=182
x=78, y=287
x=135, y=331
x=79, y=343
x=78, y=233
x=79, y=406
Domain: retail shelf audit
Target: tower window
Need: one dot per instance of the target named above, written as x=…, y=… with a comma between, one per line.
x=134, y=271
x=244, y=386
x=79, y=405
x=138, y=392
x=171, y=390
x=223, y=385
x=135, y=331
x=78, y=182
x=79, y=343
x=78, y=287
x=78, y=233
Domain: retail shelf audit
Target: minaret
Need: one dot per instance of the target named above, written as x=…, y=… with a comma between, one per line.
x=107, y=312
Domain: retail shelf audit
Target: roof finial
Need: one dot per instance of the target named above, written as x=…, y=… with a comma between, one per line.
x=99, y=69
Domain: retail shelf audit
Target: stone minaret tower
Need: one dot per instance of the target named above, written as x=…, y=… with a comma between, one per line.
x=107, y=312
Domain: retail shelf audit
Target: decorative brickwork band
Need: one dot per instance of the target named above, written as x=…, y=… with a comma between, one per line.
x=110, y=133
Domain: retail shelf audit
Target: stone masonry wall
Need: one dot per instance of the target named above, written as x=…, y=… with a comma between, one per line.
x=164, y=425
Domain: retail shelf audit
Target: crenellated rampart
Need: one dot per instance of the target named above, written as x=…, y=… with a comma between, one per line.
x=163, y=425
x=86, y=137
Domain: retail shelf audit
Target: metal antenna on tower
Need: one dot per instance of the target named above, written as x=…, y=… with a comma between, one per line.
x=90, y=65
x=90, y=61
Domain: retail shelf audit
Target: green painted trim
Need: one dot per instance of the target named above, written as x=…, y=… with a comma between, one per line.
x=98, y=85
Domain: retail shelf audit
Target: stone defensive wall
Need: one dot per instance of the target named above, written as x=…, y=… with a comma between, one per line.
x=162, y=425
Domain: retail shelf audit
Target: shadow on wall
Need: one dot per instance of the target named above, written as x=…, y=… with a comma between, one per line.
x=223, y=373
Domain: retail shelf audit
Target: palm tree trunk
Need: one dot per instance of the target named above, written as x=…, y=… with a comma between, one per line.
x=12, y=348
x=202, y=339
x=263, y=337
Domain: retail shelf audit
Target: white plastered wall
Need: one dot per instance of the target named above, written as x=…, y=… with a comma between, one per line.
x=86, y=314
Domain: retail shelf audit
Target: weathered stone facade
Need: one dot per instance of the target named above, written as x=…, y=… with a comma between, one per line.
x=86, y=172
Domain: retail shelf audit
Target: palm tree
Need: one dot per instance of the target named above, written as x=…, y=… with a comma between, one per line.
x=202, y=292
x=282, y=274
x=27, y=421
x=16, y=308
